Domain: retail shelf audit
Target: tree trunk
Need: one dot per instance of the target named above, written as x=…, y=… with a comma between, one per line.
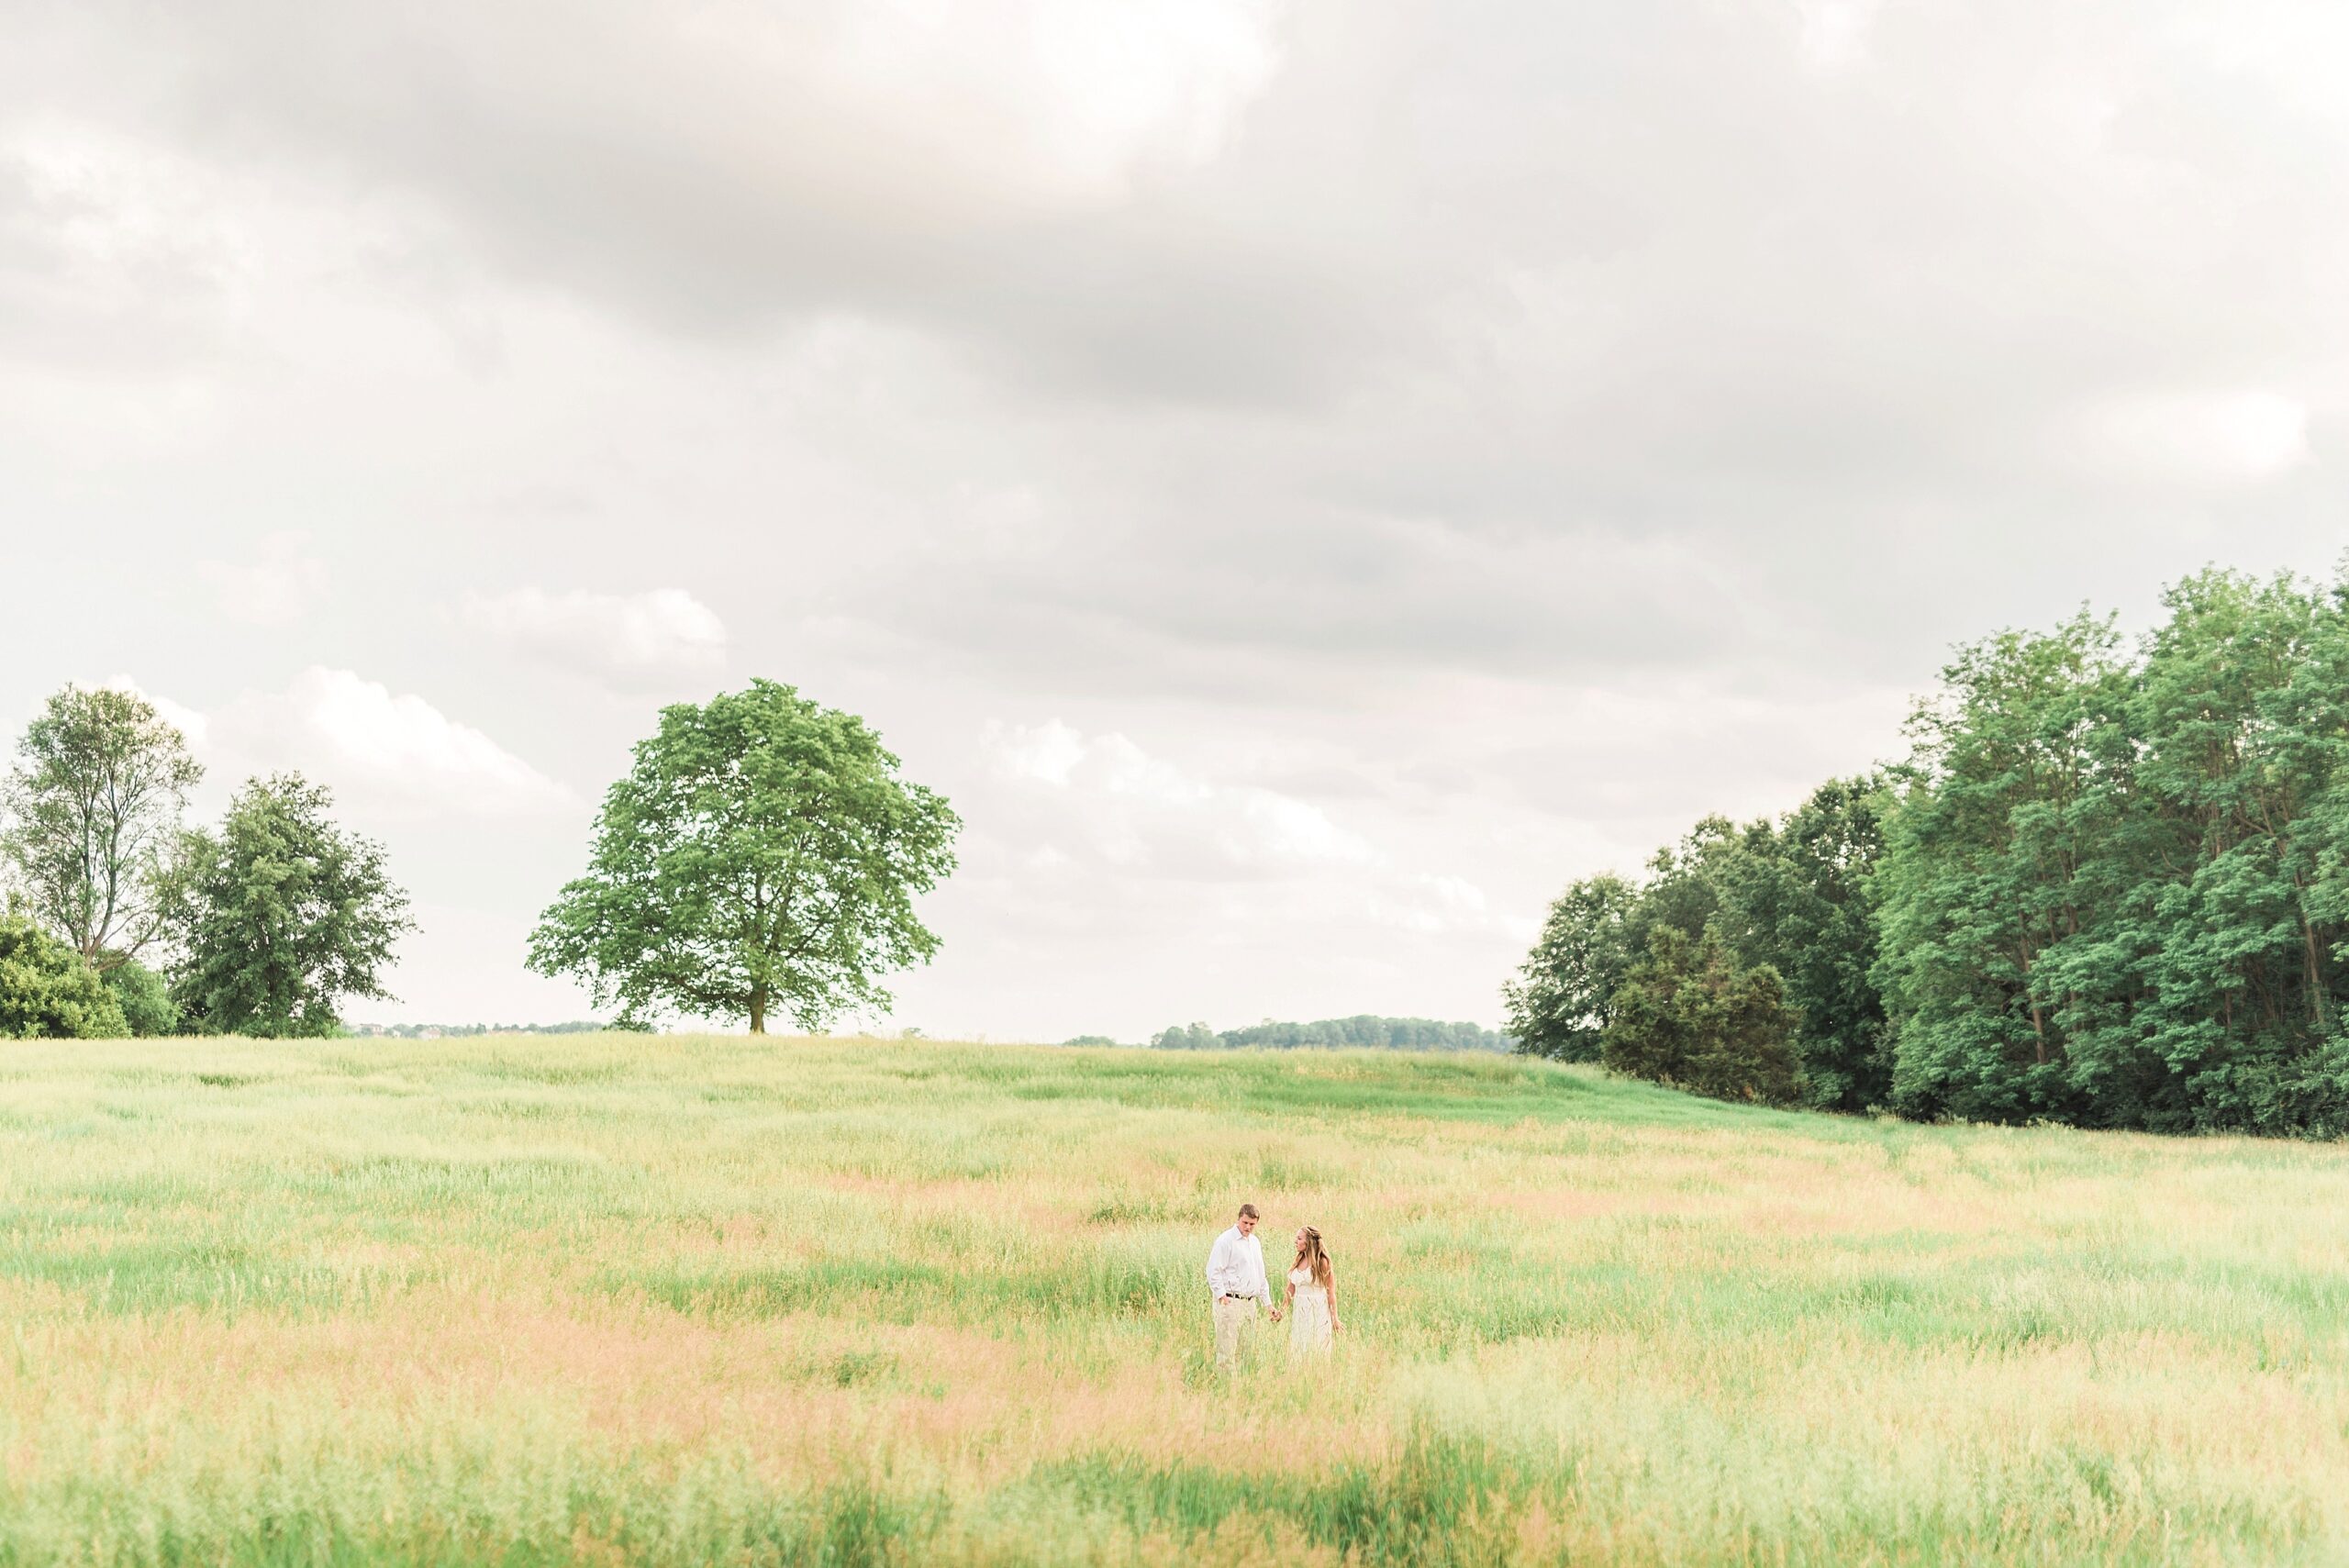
x=2038, y=1018
x=758, y=1011
x=2315, y=974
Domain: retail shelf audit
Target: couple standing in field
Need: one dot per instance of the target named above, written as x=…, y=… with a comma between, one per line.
x=1235, y=1281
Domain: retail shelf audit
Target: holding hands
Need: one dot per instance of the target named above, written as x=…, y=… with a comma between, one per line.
x=1236, y=1280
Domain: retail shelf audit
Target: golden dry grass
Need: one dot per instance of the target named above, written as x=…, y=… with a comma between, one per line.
x=704, y=1300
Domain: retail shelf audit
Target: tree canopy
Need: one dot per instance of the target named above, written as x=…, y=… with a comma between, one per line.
x=144, y=997
x=1688, y=1014
x=761, y=857
x=91, y=807
x=2108, y=886
x=2116, y=892
x=1558, y=1005
x=281, y=915
x=1794, y=896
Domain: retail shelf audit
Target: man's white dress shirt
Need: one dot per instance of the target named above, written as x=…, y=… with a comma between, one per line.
x=1236, y=1267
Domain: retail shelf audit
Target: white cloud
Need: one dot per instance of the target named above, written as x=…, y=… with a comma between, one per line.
x=1138, y=811
x=277, y=590
x=2237, y=435
x=1283, y=828
x=392, y=754
x=1499, y=439
x=1835, y=32
x=1435, y=905
x=1047, y=752
x=1141, y=818
x=1064, y=96
x=626, y=640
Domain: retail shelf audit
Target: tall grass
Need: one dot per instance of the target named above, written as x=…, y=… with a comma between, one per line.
x=716, y=1301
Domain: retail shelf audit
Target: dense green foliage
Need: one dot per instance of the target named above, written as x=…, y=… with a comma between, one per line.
x=1688, y=1014
x=761, y=856
x=2116, y=893
x=1558, y=1003
x=261, y=927
x=280, y=916
x=2109, y=886
x=143, y=996
x=47, y=991
x=1795, y=899
x=1364, y=1031
x=1800, y=898
x=87, y=812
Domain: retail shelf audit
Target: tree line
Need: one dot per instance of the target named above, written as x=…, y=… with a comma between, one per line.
x=2109, y=886
x=1364, y=1031
x=758, y=860
x=261, y=925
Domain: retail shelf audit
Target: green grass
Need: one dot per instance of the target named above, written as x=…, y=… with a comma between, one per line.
x=713, y=1301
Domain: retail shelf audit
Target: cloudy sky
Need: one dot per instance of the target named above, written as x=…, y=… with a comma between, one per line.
x=1305, y=477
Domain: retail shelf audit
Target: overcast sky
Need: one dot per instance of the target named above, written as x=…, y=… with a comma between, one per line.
x=1306, y=479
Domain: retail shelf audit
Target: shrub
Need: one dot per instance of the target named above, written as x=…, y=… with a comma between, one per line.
x=48, y=992
x=1688, y=1015
x=146, y=1002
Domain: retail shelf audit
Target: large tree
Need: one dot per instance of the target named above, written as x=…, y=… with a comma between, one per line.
x=1558, y=1002
x=90, y=805
x=281, y=915
x=2241, y=775
x=761, y=857
x=1800, y=897
x=2005, y=959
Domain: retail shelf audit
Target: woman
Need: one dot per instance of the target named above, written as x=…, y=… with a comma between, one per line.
x=1312, y=1299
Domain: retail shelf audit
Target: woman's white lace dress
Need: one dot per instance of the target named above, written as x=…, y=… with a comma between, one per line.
x=1309, y=1315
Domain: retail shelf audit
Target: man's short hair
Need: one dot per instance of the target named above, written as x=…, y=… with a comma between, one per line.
x=1248, y=1211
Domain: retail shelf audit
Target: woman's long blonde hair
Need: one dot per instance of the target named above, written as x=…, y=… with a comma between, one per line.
x=1310, y=1256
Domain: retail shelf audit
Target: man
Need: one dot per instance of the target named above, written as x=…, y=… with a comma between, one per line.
x=1236, y=1280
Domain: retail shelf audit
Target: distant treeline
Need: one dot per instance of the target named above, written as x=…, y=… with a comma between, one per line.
x=1361, y=1032
x=2109, y=887
x=467, y=1031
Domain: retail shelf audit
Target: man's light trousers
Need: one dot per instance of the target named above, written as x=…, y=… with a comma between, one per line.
x=1228, y=1316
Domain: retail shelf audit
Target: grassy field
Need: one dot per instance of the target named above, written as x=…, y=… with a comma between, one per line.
x=696, y=1300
